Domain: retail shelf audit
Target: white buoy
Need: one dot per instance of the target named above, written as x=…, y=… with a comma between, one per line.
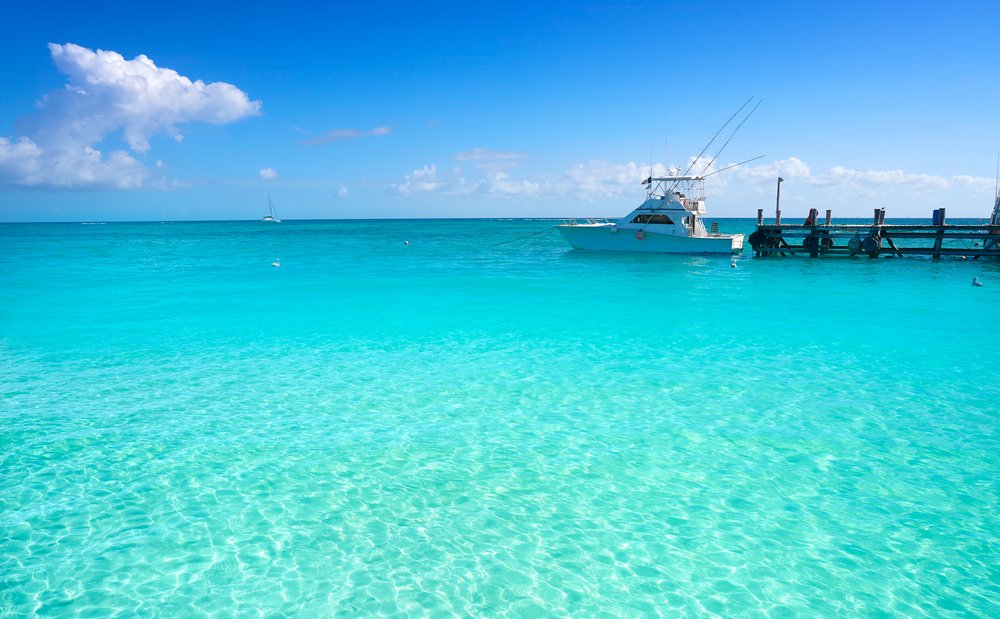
x=276, y=263
x=976, y=282
x=406, y=242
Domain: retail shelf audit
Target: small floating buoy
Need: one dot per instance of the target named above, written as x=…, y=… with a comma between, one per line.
x=976, y=282
x=732, y=263
x=406, y=242
x=276, y=263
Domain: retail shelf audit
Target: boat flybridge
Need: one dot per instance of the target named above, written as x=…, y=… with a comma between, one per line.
x=668, y=222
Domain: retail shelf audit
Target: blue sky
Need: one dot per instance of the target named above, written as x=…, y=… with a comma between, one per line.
x=506, y=109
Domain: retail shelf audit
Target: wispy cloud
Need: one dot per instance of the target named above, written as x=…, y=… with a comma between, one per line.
x=104, y=94
x=487, y=159
x=340, y=135
x=268, y=173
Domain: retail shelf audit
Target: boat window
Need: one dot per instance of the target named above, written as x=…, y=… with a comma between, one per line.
x=651, y=218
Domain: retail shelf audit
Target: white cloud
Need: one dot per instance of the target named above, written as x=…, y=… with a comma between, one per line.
x=841, y=176
x=785, y=168
x=899, y=190
x=343, y=192
x=424, y=180
x=339, y=135
x=268, y=173
x=105, y=94
x=501, y=184
x=20, y=159
x=746, y=184
x=597, y=179
x=495, y=183
x=590, y=180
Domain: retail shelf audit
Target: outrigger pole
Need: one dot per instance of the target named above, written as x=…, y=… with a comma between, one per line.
x=731, y=137
x=717, y=135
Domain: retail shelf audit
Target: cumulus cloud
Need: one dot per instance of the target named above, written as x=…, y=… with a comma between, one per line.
x=605, y=179
x=423, y=180
x=106, y=94
x=268, y=173
x=339, y=135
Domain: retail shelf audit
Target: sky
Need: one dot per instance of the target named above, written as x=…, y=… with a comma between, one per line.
x=119, y=111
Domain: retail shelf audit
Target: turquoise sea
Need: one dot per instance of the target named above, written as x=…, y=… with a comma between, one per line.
x=457, y=428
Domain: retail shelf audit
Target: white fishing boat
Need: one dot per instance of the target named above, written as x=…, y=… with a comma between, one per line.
x=668, y=222
x=270, y=212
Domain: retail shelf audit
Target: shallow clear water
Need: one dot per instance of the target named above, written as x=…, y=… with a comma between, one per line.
x=447, y=427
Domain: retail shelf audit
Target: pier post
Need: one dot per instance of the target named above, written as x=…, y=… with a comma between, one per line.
x=777, y=202
x=875, y=220
x=829, y=216
x=939, y=237
x=760, y=216
x=810, y=243
x=881, y=216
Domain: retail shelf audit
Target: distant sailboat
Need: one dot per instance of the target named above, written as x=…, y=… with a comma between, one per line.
x=270, y=212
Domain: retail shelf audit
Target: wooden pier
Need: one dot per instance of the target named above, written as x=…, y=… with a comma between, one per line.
x=814, y=238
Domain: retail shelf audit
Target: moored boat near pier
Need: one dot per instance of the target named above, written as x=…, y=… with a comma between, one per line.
x=668, y=222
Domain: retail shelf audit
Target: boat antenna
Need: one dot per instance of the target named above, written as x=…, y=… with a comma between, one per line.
x=716, y=135
x=731, y=137
x=734, y=165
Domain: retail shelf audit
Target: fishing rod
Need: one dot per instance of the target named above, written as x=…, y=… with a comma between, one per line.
x=731, y=137
x=735, y=114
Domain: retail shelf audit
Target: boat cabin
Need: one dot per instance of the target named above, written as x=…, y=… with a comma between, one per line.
x=674, y=205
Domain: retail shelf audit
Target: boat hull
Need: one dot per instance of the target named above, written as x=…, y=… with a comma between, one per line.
x=607, y=237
